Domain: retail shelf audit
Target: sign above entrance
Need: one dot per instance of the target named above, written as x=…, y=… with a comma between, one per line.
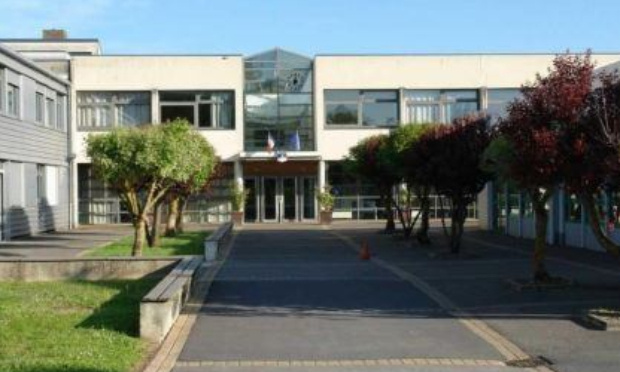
x=281, y=157
x=270, y=167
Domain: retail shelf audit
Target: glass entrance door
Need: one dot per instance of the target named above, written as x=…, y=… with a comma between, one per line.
x=308, y=198
x=251, y=202
x=289, y=199
x=280, y=199
x=270, y=199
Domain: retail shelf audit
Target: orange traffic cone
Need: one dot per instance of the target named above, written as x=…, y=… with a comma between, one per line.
x=365, y=251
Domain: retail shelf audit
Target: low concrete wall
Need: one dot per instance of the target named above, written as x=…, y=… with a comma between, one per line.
x=161, y=307
x=214, y=242
x=83, y=268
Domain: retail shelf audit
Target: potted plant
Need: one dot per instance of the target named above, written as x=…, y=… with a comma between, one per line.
x=326, y=203
x=237, y=200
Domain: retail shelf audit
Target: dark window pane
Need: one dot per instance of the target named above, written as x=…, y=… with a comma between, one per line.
x=170, y=113
x=470, y=95
x=459, y=109
x=341, y=95
x=341, y=114
x=205, y=116
x=177, y=96
x=380, y=114
x=373, y=95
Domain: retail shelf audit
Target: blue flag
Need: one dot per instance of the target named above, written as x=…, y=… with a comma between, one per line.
x=295, y=142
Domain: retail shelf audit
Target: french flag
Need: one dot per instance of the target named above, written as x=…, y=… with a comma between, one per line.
x=271, y=144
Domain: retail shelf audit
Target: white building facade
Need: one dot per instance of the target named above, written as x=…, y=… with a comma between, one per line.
x=311, y=109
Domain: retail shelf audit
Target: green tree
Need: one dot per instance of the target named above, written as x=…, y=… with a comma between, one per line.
x=143, y=164
x=533, y=144
x=364, y=161
x=402, y=157
x=454, y=167
x=200, y=182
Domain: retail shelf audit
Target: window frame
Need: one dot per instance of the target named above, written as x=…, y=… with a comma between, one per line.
x=60, y=112
x=441, y=103
x=16, y=102
x=112, y=105
x=50, y=112
x=359, y=102
x=39, y=108
x=2, y=89
x=493, y=101
x=196, y=103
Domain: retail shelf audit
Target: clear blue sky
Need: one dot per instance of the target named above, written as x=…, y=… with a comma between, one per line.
x=323, y=26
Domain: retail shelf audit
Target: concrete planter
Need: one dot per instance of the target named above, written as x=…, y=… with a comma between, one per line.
x=237, y=218
x=606, y=320
x=325, y=217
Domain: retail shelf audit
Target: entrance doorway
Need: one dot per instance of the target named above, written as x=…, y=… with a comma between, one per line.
x=279, y=199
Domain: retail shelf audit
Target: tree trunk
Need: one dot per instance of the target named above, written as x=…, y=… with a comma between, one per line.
x=173, y=212
x=456, y=228
x=594, y=221
x=139, y=236
x=390, y=225
x=540, y=241
x=182, y=205
x=155, y=235
x=425, y=208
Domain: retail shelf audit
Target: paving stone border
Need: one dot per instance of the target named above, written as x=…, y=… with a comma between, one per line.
x=344, y=362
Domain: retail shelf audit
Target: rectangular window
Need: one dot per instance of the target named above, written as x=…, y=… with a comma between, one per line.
x=2, y=89
x=372, y=108
x=12, y=100
x=101, y=110
x=51, y=185
x=440, y=106
x=201, y=109
x=498, y=101
x=60, y=112
x=50, y=110
x=41, y=194
x=39, y=107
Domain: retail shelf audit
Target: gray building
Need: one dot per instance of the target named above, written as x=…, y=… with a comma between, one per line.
x=34, y=148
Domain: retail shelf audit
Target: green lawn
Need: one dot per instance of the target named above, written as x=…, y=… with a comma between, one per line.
x=187, y=243
x=71, y=326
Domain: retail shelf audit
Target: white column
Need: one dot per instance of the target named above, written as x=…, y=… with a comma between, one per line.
x=322, y=174
x=403, y=106
x=155, y=119
x=239, y=173
x=484, y=98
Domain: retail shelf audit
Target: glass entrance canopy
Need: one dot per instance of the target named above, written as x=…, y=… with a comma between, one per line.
x=278, y=102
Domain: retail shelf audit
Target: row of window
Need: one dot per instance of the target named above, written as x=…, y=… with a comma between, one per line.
x=49, y=109
x=381, y=107
x=9, y=95
x=30, y=184
x=371, y=108
x=204, y=109
x=50, y=112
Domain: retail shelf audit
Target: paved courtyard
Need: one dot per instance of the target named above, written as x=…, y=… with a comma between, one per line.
x=62, y=244
x=299, y=298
